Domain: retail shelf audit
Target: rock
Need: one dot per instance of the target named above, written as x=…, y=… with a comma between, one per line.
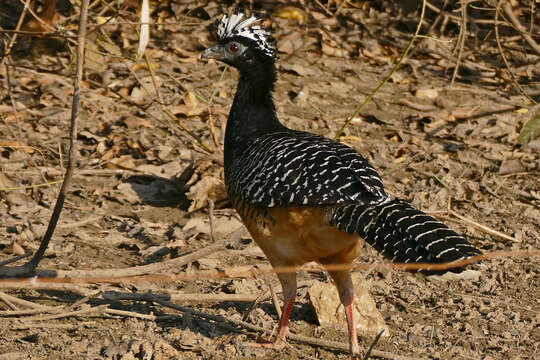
x=325, y=299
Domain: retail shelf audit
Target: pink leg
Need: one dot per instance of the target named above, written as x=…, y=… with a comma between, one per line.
x=348, y=302
x=288, y=283
x=346, y=294
x=286, y=314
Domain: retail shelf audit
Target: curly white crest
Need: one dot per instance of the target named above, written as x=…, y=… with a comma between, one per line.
x=230, y=26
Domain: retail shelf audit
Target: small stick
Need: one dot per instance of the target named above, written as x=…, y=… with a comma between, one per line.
x=77, y=224
x=139, y=315
x=15, y=259
x=17, y=28
x=21, y=302
x=462, y=37
x=499, y=46
x=85, y=311
x=480, y=226
x=211, y=219
x=24, y=303
x=78, y=325
x=8, y=303
x=79, y=290
x=114, y=295
x=370, y=350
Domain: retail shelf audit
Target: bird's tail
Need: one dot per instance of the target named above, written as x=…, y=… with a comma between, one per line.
x=402, y=233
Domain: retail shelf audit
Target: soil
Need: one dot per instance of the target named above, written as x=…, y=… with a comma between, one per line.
x=139, y=194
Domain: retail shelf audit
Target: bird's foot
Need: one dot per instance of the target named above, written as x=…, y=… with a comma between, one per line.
x=260, y=342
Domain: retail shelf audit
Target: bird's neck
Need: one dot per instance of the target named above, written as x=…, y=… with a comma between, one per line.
x=253, y=112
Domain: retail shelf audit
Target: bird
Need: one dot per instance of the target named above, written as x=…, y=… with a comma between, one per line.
x=304, y=197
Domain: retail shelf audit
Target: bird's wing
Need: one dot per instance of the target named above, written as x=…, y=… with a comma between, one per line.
x=298, y=168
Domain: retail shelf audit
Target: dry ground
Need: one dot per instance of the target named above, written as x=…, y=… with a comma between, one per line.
x=139, y=195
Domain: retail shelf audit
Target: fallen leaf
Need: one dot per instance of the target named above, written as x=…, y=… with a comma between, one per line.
x=292, y=13
x=530, y=130
x=17, y=145
x=208, y=187
x=511, y=166
x=334, y=51
x=426, y=93
x=15, y=249
x=135, y=122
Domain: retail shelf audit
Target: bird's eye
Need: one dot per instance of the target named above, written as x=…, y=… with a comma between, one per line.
x=234, y=47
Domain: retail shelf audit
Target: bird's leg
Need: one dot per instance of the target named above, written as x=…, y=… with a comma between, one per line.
x=288, y=283
x=346, y=294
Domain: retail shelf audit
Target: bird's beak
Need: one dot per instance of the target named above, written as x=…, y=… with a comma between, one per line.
x=213, y=52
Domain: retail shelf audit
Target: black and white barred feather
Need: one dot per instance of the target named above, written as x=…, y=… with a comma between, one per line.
x=298, y=168
x=402, y=233
x=293, y=168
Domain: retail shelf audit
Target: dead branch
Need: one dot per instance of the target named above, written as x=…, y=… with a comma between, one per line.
x=30, y=267
x=248, y=272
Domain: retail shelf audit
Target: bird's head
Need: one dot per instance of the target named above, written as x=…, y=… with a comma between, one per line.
x=242, y=44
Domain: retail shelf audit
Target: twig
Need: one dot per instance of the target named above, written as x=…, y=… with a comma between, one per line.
x=416, y=106
x=507, y=7
x=42, y=325
x=7, y=301
x=211, y=219
x=462, y=36
x=84, y=311
x=66, y=287
x=49, y=183
x=139, y=315
x=81, y=40
x=30, y=267
x=21, y=302
x=274, y=297
x=153, y=77
x=370, y=350
x=481, y=227
x=478, y=225
x=115, y=295
x=77, y=224
x=385, y=80
x=15, y=259
x=247, y=272
x=501, y=51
